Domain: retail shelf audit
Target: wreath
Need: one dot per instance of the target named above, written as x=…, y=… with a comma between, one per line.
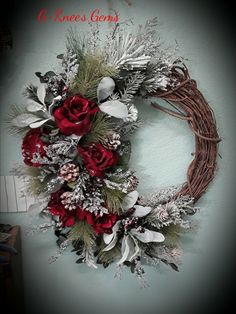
x=76, y=148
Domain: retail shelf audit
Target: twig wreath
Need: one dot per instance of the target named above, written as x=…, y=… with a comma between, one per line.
x=76, y=149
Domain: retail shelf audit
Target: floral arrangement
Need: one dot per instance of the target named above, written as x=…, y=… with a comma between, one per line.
x=76, y=148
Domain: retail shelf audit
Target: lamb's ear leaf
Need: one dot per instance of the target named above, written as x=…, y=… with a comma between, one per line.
x=105, y=88
x=38, y=124
x=34, y=106
x=130, y=200
x=41, y=93
x=25, y=119
x=147, y=235
x=114, y=108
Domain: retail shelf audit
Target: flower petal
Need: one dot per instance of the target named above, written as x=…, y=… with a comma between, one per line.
x=141, y=211
x=105, y=88
x=114, y=108
x=129, y=200
x=148, y=235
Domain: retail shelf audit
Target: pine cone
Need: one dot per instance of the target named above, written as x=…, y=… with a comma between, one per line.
x=69, y=172
x=112, y=141
x=133, y=182
x=66, y=200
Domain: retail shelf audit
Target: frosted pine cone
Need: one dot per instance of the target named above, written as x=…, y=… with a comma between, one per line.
x=133, y=182
x=112, y=141
x=69, y=172
x=132, y=113
x=66, y=200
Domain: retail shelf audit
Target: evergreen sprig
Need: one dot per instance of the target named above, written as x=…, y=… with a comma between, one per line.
x=113, y=199
x=82, y=231
x=91, y=70
x=107, y=257
x=101, y=128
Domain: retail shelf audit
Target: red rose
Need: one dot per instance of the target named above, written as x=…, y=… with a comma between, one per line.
x=97, y=158
x=67, y=217
x=74, y=116
x=32, y=144
x=101, y=224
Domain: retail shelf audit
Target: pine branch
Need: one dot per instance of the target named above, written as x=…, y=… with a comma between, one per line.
x=82, y=231
x=101, y=128
x=91, y=70
x=113, y=199
x=132, y=85
x=107, y=257
x=30, y=92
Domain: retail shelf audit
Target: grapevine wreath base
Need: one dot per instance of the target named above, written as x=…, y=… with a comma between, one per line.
x=76, y=148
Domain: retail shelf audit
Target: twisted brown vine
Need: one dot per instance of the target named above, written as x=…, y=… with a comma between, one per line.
x=192, y=107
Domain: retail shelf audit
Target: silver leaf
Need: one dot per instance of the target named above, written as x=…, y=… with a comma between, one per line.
x=38, y=123
x=114, y=108
x=141, y=211
x=105, y=88
x=25, y=119
x=148, y=235
x=41, y=93
x=130, y=200
x=33, y=106
x=125, y=249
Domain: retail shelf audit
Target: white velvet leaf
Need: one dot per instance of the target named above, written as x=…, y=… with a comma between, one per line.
x=25, y=119
x=41, y=93
x=114, y=108
x=33, y=106
x=38, y=124
x=109, y=237
x=148, y=235
x=129, y=200
x=125, y=249
x=111, y=244
x=105, y=88
x=141, y=211
x=136, y=250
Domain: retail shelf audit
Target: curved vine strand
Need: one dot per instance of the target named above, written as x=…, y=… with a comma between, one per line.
x=200, y=117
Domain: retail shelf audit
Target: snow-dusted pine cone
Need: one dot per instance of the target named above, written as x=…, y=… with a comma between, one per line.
x=66, y=200
x=112, y=141
x=132, y=113
x=133, y=182
x=69, y=172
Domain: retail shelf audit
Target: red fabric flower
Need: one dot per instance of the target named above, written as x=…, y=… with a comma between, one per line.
x=32, y=144
x=67, y=217
x=97, y=158
x=101, y=224
x=74, y=116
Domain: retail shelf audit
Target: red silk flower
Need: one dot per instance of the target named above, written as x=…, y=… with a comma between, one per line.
x=75, y=114
x=32, y=144
x=97, y=158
